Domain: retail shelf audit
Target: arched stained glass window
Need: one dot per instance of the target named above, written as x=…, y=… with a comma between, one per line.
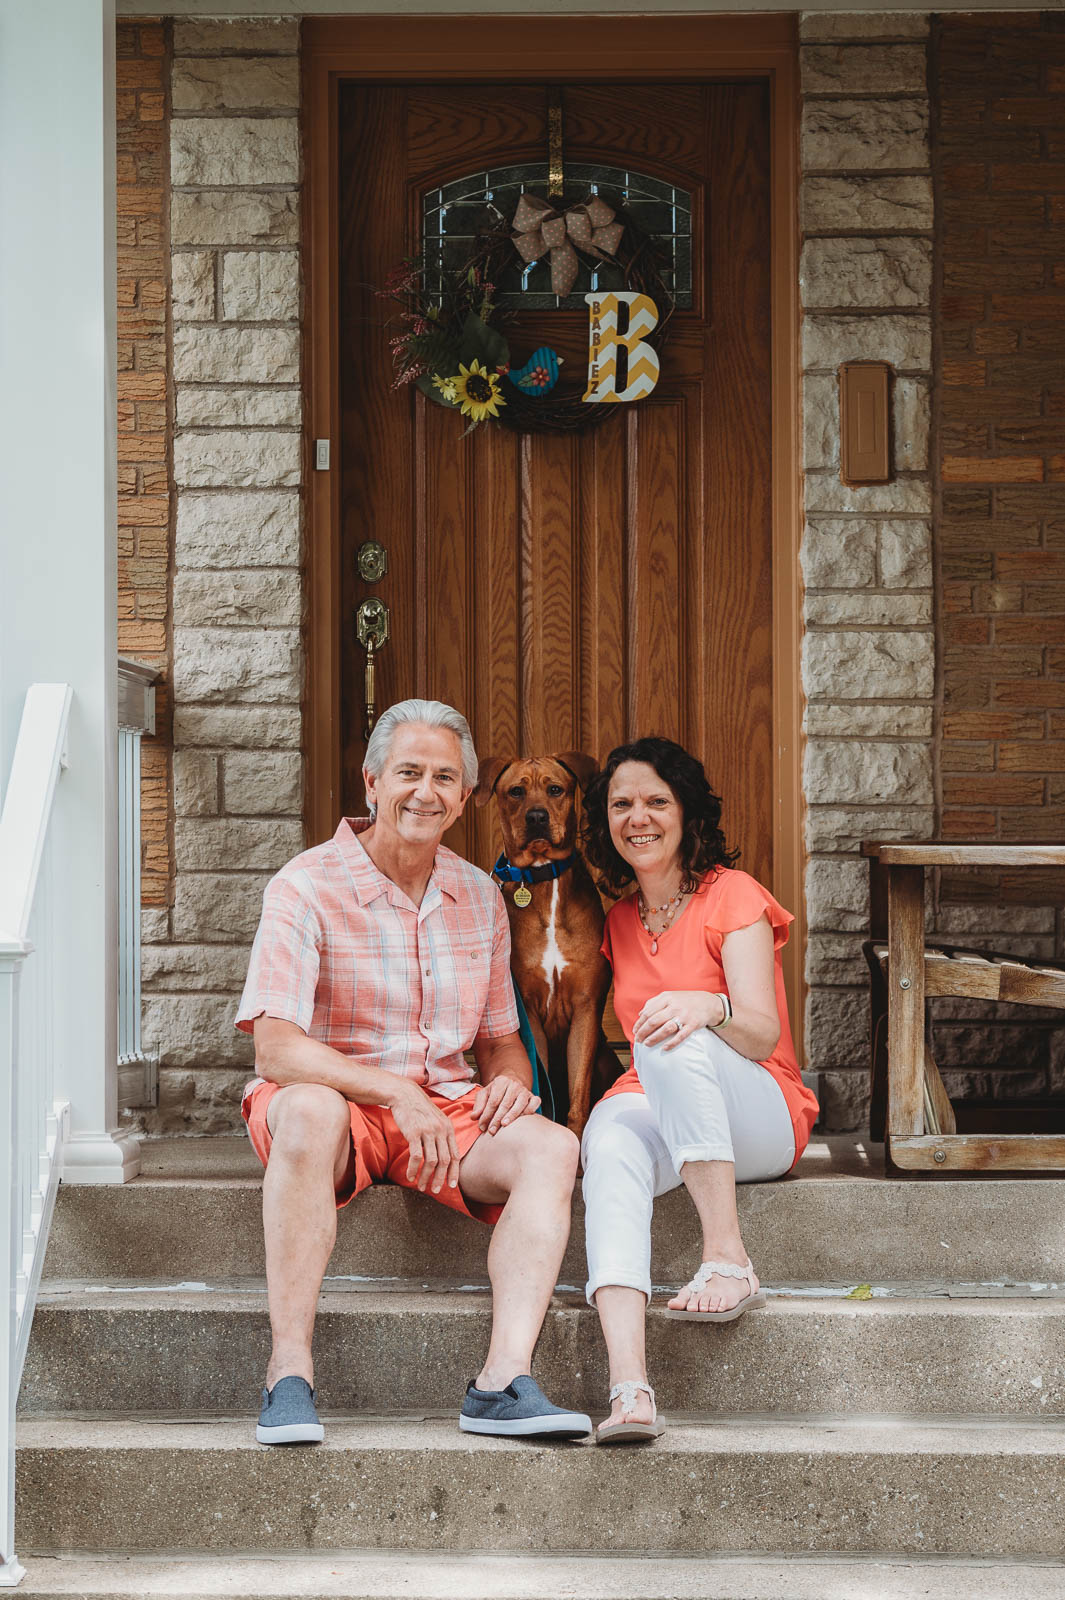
x=453, y=215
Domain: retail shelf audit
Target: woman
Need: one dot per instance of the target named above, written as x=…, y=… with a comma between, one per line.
x=714, y=1094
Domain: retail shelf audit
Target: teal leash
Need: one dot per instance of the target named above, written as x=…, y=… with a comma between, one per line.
x=541, y=1082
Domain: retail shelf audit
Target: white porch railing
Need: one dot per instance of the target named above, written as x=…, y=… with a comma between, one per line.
x=137, y=1070
x=33, y=939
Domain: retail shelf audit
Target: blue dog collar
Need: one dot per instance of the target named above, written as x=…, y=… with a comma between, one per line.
x=550, y=869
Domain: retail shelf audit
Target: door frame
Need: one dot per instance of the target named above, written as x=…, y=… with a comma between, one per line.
x=380, y=49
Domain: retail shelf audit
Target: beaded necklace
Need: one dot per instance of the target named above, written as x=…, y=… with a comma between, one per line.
x=669, y=910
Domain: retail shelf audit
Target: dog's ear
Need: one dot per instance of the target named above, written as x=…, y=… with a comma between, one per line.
x=487, y=777
x=584, y=768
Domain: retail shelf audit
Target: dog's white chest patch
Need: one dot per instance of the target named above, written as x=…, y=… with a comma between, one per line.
x=554, y=961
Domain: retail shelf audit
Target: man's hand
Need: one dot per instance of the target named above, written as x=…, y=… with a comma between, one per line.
x=430, y=1136
x=502, y=1101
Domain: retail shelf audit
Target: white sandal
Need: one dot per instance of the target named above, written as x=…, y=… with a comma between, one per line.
x=724, y=1269
x=623, y=1432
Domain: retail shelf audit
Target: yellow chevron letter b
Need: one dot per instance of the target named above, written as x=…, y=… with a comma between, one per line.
x=605, y=343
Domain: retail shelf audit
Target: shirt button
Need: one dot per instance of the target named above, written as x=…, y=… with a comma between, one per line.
x=428, y=972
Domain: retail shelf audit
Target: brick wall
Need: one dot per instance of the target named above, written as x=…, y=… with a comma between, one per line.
x=999, y=171
x=1000, y=186
x=143, y=473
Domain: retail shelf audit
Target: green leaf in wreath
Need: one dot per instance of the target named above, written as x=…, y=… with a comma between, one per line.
x=436, y=348
x=484, y=344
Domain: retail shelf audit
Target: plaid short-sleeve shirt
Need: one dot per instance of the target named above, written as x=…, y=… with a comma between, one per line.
x=343, y=953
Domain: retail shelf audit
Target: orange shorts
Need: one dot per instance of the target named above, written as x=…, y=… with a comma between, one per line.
x=381, y=1152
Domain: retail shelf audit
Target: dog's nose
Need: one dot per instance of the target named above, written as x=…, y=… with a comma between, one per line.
x=536, y=817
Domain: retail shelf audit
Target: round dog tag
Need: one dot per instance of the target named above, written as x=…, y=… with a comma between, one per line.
x=522, y=895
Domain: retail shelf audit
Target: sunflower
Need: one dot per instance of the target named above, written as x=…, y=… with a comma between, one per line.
x=477, y=392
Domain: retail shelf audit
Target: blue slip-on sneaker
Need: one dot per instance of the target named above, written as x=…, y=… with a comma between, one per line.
x=519, y=1411
x=288, y=1415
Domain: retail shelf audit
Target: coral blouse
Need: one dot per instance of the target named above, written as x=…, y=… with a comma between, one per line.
x=689, y=957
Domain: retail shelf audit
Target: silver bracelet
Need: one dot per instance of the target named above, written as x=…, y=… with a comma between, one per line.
x=716, y=1027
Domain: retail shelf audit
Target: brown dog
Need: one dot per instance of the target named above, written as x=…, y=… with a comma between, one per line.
x=556, y=922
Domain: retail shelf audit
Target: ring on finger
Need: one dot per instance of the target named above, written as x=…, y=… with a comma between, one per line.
x=677, y=1024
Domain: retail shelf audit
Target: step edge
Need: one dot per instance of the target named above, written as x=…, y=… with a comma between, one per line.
x=251, y=1301
x=882, y=1434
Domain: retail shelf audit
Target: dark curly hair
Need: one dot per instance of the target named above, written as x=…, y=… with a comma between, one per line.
x=702, y=843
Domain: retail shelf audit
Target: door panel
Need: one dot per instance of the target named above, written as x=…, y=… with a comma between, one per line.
x=550, y=592
x=657, y=612
x=496, y=648
x=567, y=592
x=603, y=643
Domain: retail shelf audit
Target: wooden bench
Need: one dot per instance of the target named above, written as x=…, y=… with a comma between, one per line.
x=910, y=1106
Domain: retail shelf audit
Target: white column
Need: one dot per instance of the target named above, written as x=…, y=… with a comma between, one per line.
x=58, y=541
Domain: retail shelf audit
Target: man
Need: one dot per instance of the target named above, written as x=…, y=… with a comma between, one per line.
x=380, y=958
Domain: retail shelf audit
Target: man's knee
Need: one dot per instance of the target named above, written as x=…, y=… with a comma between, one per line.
x=308, y=1119
x=546, y=1148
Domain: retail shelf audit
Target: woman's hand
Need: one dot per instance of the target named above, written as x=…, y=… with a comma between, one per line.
x=691, y=1008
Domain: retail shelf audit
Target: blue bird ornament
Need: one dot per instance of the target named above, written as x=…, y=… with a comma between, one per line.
x=539, y=374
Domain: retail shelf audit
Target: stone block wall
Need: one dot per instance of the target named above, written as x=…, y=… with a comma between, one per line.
x=234, y=161
x=869, y=655
x=144, y=489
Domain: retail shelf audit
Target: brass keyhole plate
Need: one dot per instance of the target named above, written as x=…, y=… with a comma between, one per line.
x=372, y=561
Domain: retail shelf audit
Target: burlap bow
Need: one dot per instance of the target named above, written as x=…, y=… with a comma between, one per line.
x=541, y=230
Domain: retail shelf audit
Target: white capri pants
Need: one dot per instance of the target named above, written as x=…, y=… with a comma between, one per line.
x=702, y=1101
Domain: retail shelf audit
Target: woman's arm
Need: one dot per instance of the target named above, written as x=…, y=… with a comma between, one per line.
x=750, y=974
x=748, y=961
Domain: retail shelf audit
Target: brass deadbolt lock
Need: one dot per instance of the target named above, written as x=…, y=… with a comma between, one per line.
x=372, y=561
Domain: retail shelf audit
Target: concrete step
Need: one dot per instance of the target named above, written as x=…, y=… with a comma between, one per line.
x=836, y=1220
x=400, y=1575
x=395, y=1346
x=965, y=1488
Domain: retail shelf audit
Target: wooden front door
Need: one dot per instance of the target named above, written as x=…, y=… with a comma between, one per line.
x=568, y=592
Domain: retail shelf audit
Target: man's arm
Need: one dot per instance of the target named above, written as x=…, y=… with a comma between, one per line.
x=285, y=1055
x=506, y=1082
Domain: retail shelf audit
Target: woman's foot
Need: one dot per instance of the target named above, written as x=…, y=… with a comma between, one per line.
x=716, y=1292
x=633, y=1416
x=631, y=1406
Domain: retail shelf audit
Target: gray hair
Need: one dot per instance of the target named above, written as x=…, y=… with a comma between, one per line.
x=429, y=714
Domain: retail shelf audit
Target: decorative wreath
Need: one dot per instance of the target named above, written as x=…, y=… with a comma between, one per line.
x=454, y=345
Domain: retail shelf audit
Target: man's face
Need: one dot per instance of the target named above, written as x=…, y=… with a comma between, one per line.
x=420, y=792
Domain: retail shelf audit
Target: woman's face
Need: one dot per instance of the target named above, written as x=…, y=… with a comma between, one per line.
x=645, y=817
